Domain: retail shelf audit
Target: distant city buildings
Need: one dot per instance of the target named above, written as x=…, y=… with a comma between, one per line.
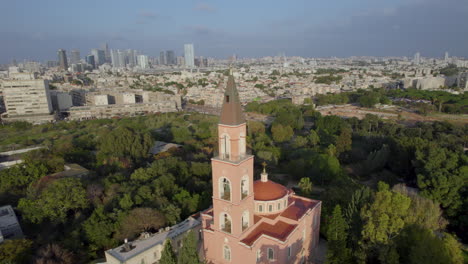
x=170, y=57
x=446, y=57
x=62, y=59
x=143, y=61
x=162, y=58
x=189, y=55
x=417, y=58
x=75, y=56
x=99, y=57
x=91, y=60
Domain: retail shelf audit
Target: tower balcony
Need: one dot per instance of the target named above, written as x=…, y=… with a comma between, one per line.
x=232, y=158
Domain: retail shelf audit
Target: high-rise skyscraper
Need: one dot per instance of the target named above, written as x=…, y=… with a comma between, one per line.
x=143, y=61
x=170, y=57
x=106, y=50
x=99, y=56
x=189, y=55
x=62, y=59
x=162, y=58
x=131, y=57
x=75, y=57
x=446, y=58
x=417, y=58
x=91, y=60
x=121, y=57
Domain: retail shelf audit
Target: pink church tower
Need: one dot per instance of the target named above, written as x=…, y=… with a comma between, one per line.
x=252, y=222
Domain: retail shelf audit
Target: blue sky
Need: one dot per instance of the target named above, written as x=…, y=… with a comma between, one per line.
x=35, y=29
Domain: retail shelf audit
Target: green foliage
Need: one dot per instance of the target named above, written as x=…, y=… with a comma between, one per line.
x=18, y=177
x=344, y=140
x=125, y=142
x=181, y=134
x=15, y=251
x=419, y=245
x=306, y=186
x=55, y=201
x=313, y=137
x=188, y=254
x=385, y=217
x=450, y=70
x=168, y=256
x=99, y=229
x=337, y=236
x=335, y=99
x=329, y=79
x=140, y=220
x=281, y=133
x=329, y=71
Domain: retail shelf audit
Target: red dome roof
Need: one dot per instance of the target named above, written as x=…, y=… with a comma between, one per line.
x=268, y=191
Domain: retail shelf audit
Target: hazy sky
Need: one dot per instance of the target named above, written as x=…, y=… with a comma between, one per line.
x=35, y=29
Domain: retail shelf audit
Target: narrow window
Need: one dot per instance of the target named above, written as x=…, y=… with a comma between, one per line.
x=259, y=255
x=260, y=208
x=271, y=255
x=289, y=252
x=227, y=98
x=227, y=253
x=270, y=208
x=279, y=206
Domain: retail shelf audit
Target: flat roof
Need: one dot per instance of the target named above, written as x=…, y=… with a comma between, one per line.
x=141, y=245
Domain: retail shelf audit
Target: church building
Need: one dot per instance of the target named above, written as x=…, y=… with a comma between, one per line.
x=253, y=221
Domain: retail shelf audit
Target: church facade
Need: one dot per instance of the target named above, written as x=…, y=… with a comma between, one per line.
x=253, y=221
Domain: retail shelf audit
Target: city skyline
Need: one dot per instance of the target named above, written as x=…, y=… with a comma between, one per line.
x=387, y=28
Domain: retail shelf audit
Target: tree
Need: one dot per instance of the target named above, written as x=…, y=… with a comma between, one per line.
x=54, y=254
x=385, y=217
x=15, y=251
x=188, y=254
x=124, y=142
x=420, y=245
x=306, y=186
x=140, y=220
x=55, y=202
x=299, y=142
x=344, y=141
x=313, y=137
x=337, y=235
x=168, y=256
x=99, y=228
x=281, y=133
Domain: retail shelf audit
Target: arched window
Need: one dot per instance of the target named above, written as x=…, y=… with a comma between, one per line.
x=224, y=189
x=227, y=253
x=260, y=208
x=225, y=223
x=244, y=187
x=242, y=144
x=270, y=254
x=225, y=146
x=279, y=206
x=245, y=220
x=270, y=208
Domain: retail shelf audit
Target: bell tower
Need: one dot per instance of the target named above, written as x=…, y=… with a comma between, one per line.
x=233, y=199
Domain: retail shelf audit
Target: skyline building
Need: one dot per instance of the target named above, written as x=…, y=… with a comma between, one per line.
x=106, y=50
x=162, y=58
x=446, y=57
x=170, y=57
x=417, y=58
x=75, y=56
x=62, y=59
x=189, y=55
x=99, y=56
x=91, y=60
x=143, y=62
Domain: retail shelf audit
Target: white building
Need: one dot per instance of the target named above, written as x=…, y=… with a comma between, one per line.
x=128, y=98
x=26, y=97
x=189, y=55
x=102, y=99
x=143, y=61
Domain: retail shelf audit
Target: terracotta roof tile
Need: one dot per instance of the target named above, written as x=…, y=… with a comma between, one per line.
x=298, y=209
x=268, y=191
x=280, y=230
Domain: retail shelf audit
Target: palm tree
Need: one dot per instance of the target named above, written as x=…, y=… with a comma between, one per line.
x=305, y=185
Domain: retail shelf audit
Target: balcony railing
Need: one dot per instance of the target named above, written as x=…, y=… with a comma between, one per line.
x=232, y=158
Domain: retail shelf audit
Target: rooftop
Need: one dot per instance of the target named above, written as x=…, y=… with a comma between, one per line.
x=231, y=111
x=268, y=191
x=280, y=231
x=141, y=245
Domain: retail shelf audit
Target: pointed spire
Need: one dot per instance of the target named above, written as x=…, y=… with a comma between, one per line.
x=264, y=174
x=231, y=112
